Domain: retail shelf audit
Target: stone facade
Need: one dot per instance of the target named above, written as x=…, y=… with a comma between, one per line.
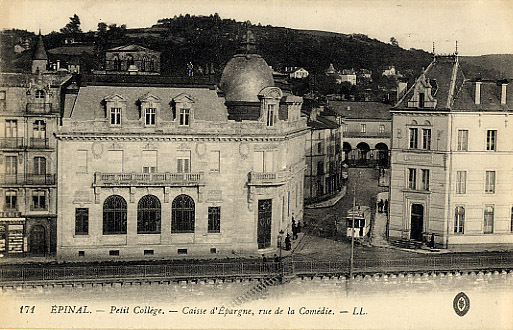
x=132, y=59
x=220, y=187
x=451, y=178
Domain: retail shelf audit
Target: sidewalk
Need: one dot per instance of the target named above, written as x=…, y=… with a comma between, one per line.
x=330, y=202
x=379, y=227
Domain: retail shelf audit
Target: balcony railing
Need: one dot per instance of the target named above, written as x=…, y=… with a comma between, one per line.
x=39, y=108
x=11, y=143
x=267, y=178
x=10, y=214
x=32, y=179
x=38, y=143
x=148, y=179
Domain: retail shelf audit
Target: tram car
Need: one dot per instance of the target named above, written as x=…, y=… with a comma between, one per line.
x=362, y=217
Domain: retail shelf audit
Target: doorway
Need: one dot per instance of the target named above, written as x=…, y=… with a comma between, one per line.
x=37, y=240
x=265, y=213
x=417, y=221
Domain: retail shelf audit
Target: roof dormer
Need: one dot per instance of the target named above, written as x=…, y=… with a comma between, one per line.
x=183, y=109
x=149, y=109
x=422, y=94
x=115, y=108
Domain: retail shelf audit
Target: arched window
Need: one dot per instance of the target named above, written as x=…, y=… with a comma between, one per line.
x=129, y=61
x=152, y=65
x=40, y=94
x=182, y=218
x=114, y=215
x=117, y=63
x=148, y=215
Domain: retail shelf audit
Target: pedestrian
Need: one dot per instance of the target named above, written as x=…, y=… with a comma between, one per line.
x=294, y=231
x=386, y=206
x=298, y=226
x=288, y=243
x=264, y=263
x=432, y=243
x=380, y=206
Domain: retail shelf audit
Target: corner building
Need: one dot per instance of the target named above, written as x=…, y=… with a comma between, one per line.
x=151, y=169
x=451, y=160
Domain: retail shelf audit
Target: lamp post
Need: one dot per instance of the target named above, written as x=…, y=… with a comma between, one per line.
x=352, y=228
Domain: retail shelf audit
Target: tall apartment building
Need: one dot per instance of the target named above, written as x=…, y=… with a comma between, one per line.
x=452, y=157
x=154, y=169
x=29, y=116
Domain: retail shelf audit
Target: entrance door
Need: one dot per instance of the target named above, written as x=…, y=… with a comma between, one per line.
x=265, y=214
x=417, y=221
x=37, y=240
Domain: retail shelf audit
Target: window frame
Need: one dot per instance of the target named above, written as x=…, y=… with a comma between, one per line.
x=363, y=128
x=488, y=227
x=426, y=139
x=39, y=94
x=413, y=137
x=11, y=200
x=215, y=161
x=491, y=139
x=184, y=117
x=38, y=202
x=459, y=219
x=120, y=225
x=150, y=116
x=460, y=146
x=271, y=120
x=425, y=173
x=381, y=129
x=461, y=185
x=412, y=184
x=149, y=215
x=490, y=185
x=188, y=210
x=81, y=221
x=115, y=116
x=214, y=219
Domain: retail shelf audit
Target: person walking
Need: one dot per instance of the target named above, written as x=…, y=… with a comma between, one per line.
x=386, y=206
x=294, y=230
x=298, y=226
x=380, y=206
x=288, y=243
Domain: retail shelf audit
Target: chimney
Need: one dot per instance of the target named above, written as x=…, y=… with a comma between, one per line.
x=477, y=93
x=503, y=93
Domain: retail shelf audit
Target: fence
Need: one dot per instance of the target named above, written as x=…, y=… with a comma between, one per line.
x=249, y=269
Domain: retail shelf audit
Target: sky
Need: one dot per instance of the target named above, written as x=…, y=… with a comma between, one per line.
x=479, y=26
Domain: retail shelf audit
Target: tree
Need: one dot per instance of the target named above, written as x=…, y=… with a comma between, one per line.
x=394, y=42
x=73, y=27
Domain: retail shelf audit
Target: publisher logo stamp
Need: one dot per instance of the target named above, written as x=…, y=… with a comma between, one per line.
x=461, y=304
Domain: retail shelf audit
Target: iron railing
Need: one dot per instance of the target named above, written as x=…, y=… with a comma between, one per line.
x=144, y=179
x=33, y=179
x=38, y=143
x=268, y=178
x=26, y=273
x=11, y=143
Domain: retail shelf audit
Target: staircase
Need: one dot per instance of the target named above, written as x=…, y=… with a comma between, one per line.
x=256, y=292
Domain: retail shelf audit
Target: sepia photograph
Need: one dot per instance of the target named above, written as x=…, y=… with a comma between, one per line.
x=331, y=164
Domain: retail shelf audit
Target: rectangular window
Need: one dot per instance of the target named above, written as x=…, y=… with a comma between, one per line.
x=461, y=182
x=319, y=148
x=214, y=219
x=39, y=200
x=270, y=115
x=2, y=95
x=115, y=116
x=490, y=182
x=491, y=140
x=149, y=116
x=413, y=138
x=412, y=178
x=459, y=219
x=149, y=161
x=11, y=128
x=184, y=117
x=488, y=219
x=462, y=140
x=10, y=200
x=11, y=165
x=426, y=138
x=363, y=128
x=381, y=129
x=81, y=161
x=114, y=161
x=81, y=221
x=183, y=161
x=215, y=161
x=39, y=129
x=425, y=179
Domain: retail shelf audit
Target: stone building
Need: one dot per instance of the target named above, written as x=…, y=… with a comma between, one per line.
x=132, y=59
x=451, y=173
x=168, y=170
x=367, y=130
x=29, y=116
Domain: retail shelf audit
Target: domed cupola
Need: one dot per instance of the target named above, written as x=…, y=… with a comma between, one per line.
x=244, y=76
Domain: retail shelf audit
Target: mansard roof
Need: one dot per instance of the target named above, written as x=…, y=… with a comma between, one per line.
x=90, y=101
x=444, y=74
x=490, y=97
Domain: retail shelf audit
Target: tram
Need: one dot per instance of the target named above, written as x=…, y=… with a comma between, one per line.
x=362, y=216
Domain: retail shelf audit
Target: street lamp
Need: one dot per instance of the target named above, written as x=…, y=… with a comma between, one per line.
x=352, y=228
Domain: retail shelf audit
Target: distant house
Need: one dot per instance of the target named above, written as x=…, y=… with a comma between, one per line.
x=389, y=71
x=132, y=59
x=348, y=75
x=72, y=57
x=299, y=73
